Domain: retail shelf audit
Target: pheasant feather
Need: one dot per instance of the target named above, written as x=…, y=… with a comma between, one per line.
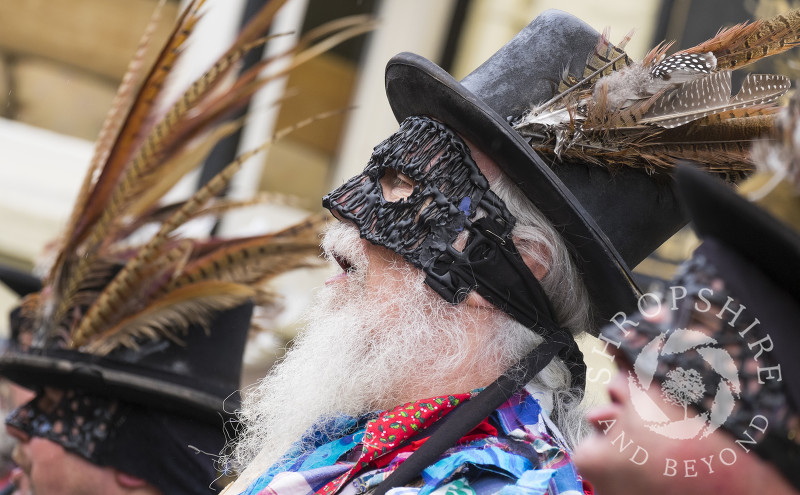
x=183, y=307
x=115, y=283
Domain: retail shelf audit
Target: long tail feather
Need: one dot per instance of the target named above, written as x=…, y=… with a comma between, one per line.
x=106, y=305
x=747, y=43
x=181, y=308
x=115, y=282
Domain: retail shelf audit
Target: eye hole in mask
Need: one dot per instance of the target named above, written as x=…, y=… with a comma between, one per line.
x=419, y=196
x=396, y=186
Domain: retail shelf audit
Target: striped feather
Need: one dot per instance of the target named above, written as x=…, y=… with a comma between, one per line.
x=181, y=308
x=744, y=44
x=115, y=282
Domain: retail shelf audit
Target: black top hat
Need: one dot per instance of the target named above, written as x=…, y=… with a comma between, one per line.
x=198, y=376
x=22, y=283
x=764, y=262
x=612, y=219
x=195, y=376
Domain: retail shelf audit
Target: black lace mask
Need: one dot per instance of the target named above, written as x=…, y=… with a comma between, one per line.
x=79, y=422
x=451, y=226
x=162, y=448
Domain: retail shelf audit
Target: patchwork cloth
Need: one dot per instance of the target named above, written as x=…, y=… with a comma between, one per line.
x=516, y=451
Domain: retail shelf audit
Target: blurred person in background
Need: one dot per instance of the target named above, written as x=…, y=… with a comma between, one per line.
x=707, y=395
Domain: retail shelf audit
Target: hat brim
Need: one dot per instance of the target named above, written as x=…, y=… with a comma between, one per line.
x=198, y=376
x=417, y=86
x=22, y=283
x=136, y=384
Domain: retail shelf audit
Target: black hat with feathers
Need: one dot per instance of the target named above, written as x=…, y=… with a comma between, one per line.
x=588, y=134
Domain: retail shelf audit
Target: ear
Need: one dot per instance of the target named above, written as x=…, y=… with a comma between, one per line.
x=537, y=268
x=128, y=481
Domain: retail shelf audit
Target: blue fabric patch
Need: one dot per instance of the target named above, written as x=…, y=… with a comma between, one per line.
x=325, y=454
x=464, y=205
x=534, y=482
x=492, y=459
x=516, y=414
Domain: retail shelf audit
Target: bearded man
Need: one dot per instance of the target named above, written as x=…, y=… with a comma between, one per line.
x=464, y=257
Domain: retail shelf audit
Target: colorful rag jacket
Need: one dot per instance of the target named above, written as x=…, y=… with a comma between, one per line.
x=516, y=451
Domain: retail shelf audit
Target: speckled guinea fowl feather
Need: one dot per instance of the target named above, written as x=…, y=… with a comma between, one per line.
x=710, y=95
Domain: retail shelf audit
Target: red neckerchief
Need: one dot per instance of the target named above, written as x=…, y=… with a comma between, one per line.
x=392, y=428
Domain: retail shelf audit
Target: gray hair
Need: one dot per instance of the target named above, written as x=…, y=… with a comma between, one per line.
x=536, y=237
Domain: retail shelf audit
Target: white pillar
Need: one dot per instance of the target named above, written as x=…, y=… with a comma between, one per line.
x=418, y=26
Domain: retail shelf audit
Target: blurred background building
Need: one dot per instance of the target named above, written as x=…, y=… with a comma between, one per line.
x=61, y=61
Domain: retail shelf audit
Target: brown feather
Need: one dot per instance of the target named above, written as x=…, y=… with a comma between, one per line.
x=97, y=208
x=744, y=44
x=114, y=282
x=605, y=59
x=113, y=122
x=106, y=306
x=255, y=259
x=665, y=109
x=135, y=121
x=179, y=309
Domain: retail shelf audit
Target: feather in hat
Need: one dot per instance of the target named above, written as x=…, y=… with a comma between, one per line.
x=664, y=109
x=113, y=286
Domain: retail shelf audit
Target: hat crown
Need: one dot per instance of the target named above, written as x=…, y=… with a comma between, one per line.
x=611, y=219
x=527, y=69
x=636, y=213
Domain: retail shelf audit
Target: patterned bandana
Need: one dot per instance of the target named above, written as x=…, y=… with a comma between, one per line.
x=384, y=436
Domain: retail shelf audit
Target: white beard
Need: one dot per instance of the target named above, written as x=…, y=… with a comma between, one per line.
x=371, y=350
